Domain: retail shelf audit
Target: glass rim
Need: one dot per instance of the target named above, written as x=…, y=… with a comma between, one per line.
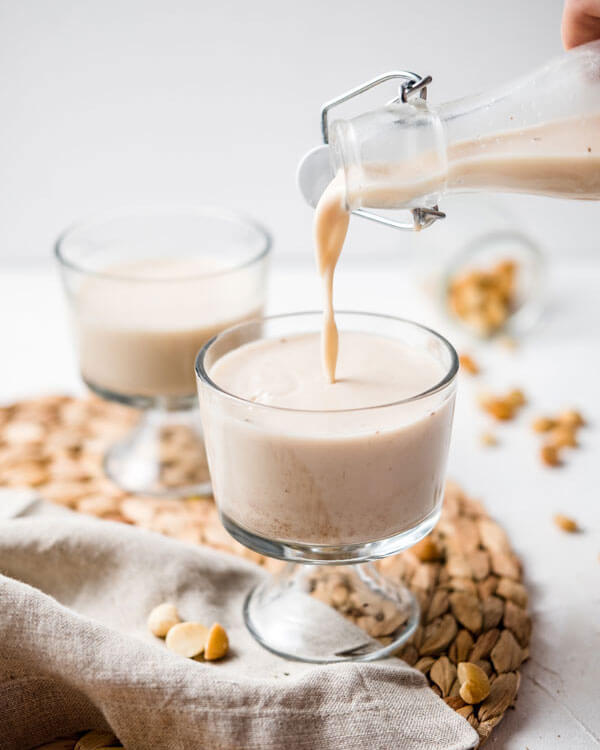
x=225, y=214
x=441, y=385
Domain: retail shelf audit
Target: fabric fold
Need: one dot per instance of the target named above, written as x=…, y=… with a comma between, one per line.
x=75, y=594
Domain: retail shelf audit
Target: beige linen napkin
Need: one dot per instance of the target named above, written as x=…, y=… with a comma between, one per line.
x=75, y=653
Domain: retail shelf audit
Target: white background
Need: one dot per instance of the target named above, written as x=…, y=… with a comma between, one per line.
x=118, y=102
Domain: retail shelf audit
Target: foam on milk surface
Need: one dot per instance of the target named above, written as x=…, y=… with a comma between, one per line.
x=372, y=371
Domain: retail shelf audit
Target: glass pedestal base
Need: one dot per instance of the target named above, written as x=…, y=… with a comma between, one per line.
x=163, y=456
x=327, y=614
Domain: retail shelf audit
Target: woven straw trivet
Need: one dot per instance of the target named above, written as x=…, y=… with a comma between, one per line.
x=465, y=574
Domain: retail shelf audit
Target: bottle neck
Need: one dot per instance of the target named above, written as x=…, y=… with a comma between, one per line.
x=393, y=157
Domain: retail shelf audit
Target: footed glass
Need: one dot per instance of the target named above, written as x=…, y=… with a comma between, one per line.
x=146, y=289
x=333, y=490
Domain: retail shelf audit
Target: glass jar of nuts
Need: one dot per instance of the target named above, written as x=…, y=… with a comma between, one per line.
x=491, y=273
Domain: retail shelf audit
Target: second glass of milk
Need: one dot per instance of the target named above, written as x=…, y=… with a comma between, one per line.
x=147, y=290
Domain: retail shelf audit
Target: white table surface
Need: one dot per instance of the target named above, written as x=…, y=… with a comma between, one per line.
x=557, y=366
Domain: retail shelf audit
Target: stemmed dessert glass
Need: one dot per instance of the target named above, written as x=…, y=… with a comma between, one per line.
x=146, y=289
x=332, y=490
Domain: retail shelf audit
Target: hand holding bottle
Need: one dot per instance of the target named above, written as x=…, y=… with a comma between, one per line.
x=580, y=22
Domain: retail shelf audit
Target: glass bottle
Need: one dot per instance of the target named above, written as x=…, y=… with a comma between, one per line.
x=537, y=135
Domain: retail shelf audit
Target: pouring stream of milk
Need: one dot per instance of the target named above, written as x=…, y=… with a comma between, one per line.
x=331, y=227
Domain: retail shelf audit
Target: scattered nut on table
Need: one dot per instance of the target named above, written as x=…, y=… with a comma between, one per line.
x=563, y=437
x=162, y=619
x=489, y=439
x=550, y=455
x=565, y=523
x=468, y=364
x=187, y=639
x=543, y=424
x=571, y=418
x=217, y=643
x=560, y=432
x=503, y=408
x=474, y=682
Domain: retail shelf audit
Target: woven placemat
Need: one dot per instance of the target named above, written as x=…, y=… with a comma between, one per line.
x=465, y=575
